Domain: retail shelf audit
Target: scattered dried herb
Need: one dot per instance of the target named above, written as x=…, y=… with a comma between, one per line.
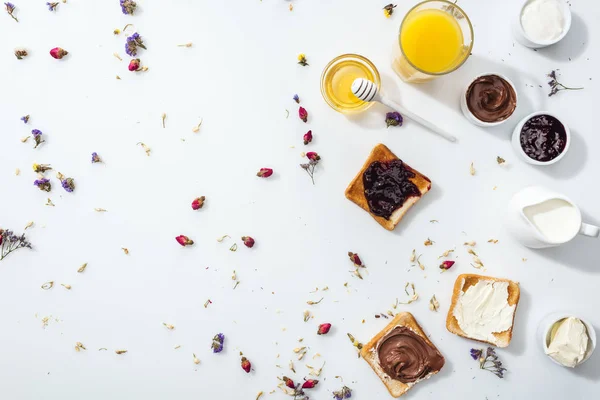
x=10, y=242
x=82, y=268
x=163, y=117
x=217, y=343
x=196, y=129
x=472, y=169
x=556, y=86
x=307, y=315
x=66, y=286
x=25, y=118
x=169, y=326
x=428, y=242
x=302, y=59
x=97, y=209
x=313, y=161
x=67, y=183
x=207, y=302
x=472, y=243
x=29, y=225
x=434, y=305
x=120, y=351
x=296, y=98
x=393, y=118
x=414, y=297
x=189, y=44
x=37, y=137
x=146, y=148
x=48, y=285
x=490, y=362
x=21, y=54
x=43, y=184
x=494, y=241
x=10, y=10
x=79, y=346
x=344, y=393
x=49, y=202
x=132, y=44
x=312, y=303
x=389, y=10
x=125, y=250
x=222, y=238
x=128, y=6
x=233, y=247
x=195, y=359
x=52, y=5
x=355, y=343
x=500, y=160
x=446, y=253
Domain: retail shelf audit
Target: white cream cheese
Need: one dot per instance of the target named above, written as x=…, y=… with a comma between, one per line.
x=543, y=20
x=483, y=310
x=569, y=343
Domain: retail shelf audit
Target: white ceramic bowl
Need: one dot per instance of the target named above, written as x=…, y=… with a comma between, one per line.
x=469, y=115
x=516, y=139
x=546, y=326
x=522, y=38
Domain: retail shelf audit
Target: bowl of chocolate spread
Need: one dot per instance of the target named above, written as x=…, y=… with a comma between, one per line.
x=489, y=100
x=541, y=138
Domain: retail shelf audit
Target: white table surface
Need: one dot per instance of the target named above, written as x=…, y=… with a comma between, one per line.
x=240, y=76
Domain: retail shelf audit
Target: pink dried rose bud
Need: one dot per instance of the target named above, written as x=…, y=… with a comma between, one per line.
x=248, y=241
x=134, y=65
x=265, y=172
x=58, y=53
x=303, y=114
x=184, y=240
x=246, y=365
x=307, y=137
x=355, y=259
x=313, y=156
x=446, y=265
x=198, y=203
x=309, y=384
x=288, y=382
x=323, y=329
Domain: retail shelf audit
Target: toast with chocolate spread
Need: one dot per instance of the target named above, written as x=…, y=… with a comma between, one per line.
x=386, y=187
x=402, y=355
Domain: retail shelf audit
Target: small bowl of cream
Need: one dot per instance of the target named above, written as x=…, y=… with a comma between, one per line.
x=567, y=340
x=542, y=23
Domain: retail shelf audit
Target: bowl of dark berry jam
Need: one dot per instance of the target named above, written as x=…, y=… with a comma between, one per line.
x=541, y=138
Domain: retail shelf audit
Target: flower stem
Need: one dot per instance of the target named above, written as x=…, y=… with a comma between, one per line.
x=568, y=88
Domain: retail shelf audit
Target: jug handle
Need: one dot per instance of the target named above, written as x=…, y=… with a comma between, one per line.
x=589, y=230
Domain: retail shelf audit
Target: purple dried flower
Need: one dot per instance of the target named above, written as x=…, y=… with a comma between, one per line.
x=476, y=353
x=10, y=242
x=217, y=343
x=128, y=6
x=25, y=119
x=37, y=137
x=296, y=98
x=43, y=184
x=10, y=9
x=393, y=119
x=556, y=86
x=133, y=42
x=52, y=6
x=344, y=393
x=95, y=158
x=68, y=184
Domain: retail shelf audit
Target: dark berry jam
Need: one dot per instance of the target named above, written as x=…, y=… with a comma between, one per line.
x=387, y=186
x=543, y=138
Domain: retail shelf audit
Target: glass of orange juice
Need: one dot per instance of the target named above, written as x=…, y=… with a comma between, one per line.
x=436, y=37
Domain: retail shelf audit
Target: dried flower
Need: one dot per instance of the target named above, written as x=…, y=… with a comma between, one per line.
x=163, y=117
x=344, y=393
x=313, y=156
x=41, y=168
x=52, y=6
x=132, y=43
x=393, y=119
x=43, y=184
x=233, y=247
x=246, y=365
x=309, y=167
x=434, y=305
x=66, y=286
x=306, y=315
x=296, y=98
x=49, y=202
x=472, y=169
x=25, y=118
x=264, y=172
x=288, y=382
x=217, y=343
x=446, y=265
x=20, y=54
x=471, y=243
x=355, y=259
x=355, y=342
x=68, y=184
x=490, y=362
x=196, y=360
x=248, y=241
x=428, y=242
x=196, y=129
x=414, y=296
x=198, y=203
x=79, y=346
x=37, y=137
x=96, y=158
x=120, y=351
x=184, y=240
x=500, y=160
x=58, y=53
x=309, y=383
x=303, y=114
x=128, y=6
x=125, y=250
x=308, y=137
x=48, y=285
x=82, y=268
x=324, y=329
x=312, y=303
x=389, y=10
x=10, y=9
x=302, y=59
x=168, y=326
x=134, y=65
x=494, y=241
x=556, y=86
x=146, y=148
x=117, y=31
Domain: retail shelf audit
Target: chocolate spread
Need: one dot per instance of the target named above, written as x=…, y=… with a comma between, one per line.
x=543, y=138
x=387, y=186
x=491, y=98
x=407, y=357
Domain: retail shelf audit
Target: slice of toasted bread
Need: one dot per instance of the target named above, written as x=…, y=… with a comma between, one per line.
x=370, y=355
x=463, y=282
x=356, y=190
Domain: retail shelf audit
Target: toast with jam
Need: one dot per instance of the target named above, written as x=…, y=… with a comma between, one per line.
x=386, y=187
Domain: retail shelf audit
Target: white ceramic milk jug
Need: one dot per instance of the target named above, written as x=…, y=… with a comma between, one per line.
x=538, y=218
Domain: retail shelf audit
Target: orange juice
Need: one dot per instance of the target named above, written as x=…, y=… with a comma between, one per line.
x=432, y=40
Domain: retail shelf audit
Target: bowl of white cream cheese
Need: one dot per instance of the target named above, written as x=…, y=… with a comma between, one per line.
x=542, y=23
x=567, y=340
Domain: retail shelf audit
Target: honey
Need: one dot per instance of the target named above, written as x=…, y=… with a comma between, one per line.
x=337, y=78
